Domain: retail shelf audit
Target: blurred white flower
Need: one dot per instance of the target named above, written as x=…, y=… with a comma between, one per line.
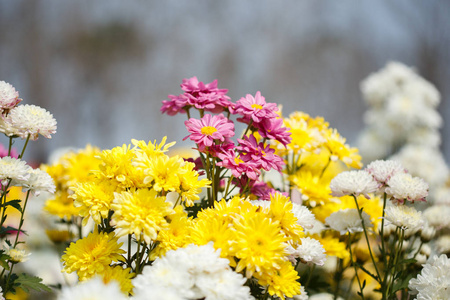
x=347, y=220
x=93, y=289
x=404, y=217
x=438, y=216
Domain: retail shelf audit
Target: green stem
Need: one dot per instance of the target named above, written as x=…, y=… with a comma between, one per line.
x=354, y=265
x=22, y=218
x=311, y=270
x=367, y=239
x=24, y=146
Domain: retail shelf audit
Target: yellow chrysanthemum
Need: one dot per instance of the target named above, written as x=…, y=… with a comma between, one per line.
x=116, y=168
x=260, y=243
x=281, y=211
x=79, y=165
x=314, y=189
x=92, y=255
x=282, y=282
x=219, y=232
x=176, y=236
x=94, y=200
x=152, y=149
x=121, y=276
x=333, y=247
x=224, y=210
x=62, y=206
x=190, y=186
x=341, y=151
x=163, y=172
x=140, y=212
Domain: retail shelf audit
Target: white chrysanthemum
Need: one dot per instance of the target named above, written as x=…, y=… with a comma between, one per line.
x=382, y=170
x=93, y=289
x=15, y=169
x=353, y=183
x=324, y=296
x=402, y=186
x=433, y=282
x=437, y=216
x=24, y=120
x=155, y=291
x=305, y=217
x=443, y=244
x=347, y=220
x=1, y=294
x=311, y=250
x=225, y=285
x=39, y=181
x=16, y=254
x=424, y=161
x=404, y=216
x=193, y=272
x=9, y=97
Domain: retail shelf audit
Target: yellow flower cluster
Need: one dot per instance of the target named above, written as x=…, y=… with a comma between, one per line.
x=252, y=238
x=122, y=177
x=314, y=156
x=71, y=168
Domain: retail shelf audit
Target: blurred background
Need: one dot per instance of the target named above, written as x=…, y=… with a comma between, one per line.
x=103, y=67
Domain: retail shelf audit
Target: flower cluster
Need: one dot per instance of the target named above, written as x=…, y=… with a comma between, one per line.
x=27, y=122
x=402, y=110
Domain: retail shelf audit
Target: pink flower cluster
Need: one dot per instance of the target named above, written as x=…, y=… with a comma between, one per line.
x=196, y=94
x=212, y=132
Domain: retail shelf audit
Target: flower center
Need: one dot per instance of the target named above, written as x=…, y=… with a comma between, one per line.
x=257, y=106
x=208, y=130
x=237, y=160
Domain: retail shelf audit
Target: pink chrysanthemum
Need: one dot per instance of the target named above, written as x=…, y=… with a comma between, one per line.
x=263, y=191
x=273, y=129
x=262, y=155
x=175, y=105
x=254, y=108
x=9, y=97
x=199, y=95
x=237, y=166
x=209, y=129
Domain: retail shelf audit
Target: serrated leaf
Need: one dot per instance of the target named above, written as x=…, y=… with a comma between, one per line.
x=14, y=203
x=27, y=282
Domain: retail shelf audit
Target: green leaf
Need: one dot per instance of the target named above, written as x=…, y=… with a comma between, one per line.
x=27, y=282
x=4, y=260
x=14, y=203
x=402, y=284
x=8, y=229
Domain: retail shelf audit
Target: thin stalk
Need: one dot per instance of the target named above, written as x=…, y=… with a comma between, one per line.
x=354, y=266
x=367, y=239
x=25, y=146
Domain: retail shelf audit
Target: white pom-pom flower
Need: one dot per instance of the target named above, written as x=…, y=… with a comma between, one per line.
x=9, y=97
x=348, y=220
x=402, y=186
x=353, y=183
x=28, y=120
